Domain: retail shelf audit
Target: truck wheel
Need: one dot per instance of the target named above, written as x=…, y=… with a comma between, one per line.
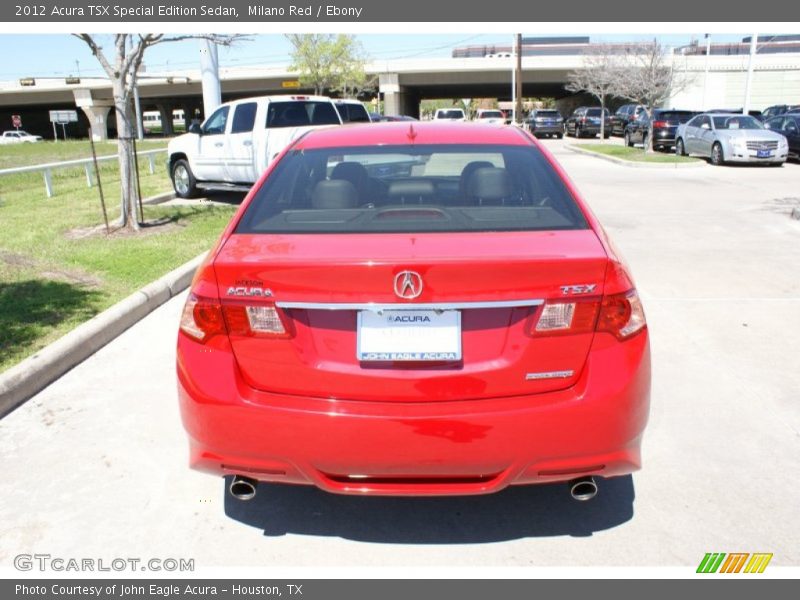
x=183, y=180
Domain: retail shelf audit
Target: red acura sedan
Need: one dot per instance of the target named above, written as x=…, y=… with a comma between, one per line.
x=414, y=309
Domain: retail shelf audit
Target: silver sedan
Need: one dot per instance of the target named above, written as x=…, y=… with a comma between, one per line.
x=731, y=137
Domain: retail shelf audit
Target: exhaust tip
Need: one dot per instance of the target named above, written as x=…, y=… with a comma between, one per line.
x=243, y=488
x=583, y=488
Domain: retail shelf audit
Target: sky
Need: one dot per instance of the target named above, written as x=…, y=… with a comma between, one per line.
x=59, y=55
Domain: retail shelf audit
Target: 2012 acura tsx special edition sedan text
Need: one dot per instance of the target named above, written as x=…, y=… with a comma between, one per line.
x=414, y=309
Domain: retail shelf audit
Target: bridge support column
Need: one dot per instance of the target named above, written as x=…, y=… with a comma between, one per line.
x=395, y=99
x=165, y=109
x=96, y=111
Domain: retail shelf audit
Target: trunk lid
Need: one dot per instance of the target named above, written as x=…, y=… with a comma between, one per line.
x=318, y=274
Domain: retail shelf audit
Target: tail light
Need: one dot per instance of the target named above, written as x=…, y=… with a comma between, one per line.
x=660, y=124
x=621, y=315
x=204, y=318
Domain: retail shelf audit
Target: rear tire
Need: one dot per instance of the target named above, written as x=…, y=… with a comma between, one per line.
x=679, y=149
x=717, y=157
x=559, y=135
x=183, y=181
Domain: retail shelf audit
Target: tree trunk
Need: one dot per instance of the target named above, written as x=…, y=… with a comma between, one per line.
x=127, y=172
x=602, y=118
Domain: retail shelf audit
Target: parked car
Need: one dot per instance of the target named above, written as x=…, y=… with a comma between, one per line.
x=731, y=137
x=491, y=116
x=545, y=121
x=779, y=109
x=352, y=111
x=375, y=117
x=19, y=136
x=663, y=122
x=788, y=125
x=585, y=120
x=449, y=114
x=625, y=114
x=449, y=330
x=239, y=140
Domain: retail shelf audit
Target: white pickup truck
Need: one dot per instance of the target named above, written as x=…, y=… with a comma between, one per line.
x=240, y=139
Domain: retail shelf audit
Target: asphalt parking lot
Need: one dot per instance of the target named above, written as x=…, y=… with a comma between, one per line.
x=95, y=465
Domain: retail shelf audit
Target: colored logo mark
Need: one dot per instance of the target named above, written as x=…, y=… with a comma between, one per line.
x=734, y=562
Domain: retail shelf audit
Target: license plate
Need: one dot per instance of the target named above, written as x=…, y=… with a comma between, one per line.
x=409, y=335
x=763, y=153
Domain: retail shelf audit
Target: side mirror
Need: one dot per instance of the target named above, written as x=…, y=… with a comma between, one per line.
x=195, y=128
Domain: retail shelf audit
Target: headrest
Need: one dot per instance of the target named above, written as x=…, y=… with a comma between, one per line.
x=334, y=193
x=489, y=183
x=411, y=188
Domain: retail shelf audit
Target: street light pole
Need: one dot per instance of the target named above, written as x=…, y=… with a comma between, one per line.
x=753, y=43
x=518, y=88
x=705, y=79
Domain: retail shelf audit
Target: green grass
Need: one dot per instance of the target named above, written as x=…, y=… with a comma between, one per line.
x=54, y=276
x=21, y=155
x=636, y=154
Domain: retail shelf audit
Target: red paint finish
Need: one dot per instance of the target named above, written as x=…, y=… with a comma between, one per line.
x=297, y=406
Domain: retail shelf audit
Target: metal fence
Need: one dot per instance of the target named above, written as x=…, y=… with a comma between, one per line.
x=87, y=163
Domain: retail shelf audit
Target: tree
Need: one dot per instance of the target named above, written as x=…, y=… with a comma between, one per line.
x=649, y=77
x=121, y=65
x=599, y=77
x=328, y=62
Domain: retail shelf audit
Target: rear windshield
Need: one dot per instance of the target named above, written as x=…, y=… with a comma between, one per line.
x=450, y=114
x=353, y=113
x=741, y=122
x=298, y=113
x=491, y=114
x=548, y=113
x=681, y=116
x=407, y=188
x=595, y=112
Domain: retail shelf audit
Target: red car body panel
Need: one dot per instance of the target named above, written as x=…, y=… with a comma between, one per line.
x=303, y=410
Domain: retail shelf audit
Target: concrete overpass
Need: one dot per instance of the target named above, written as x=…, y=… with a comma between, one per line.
x=403, y=84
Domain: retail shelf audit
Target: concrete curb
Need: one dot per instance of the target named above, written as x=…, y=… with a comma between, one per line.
x=159, y=198
x=637, y=165
x=19, y=383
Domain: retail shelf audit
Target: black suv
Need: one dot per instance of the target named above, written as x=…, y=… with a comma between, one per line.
x=664, y=123
x=586, y=121
x=545, y=121
x=778, y=110
x=624, y=115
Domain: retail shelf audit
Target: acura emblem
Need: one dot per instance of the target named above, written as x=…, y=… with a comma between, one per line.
x=408, y=284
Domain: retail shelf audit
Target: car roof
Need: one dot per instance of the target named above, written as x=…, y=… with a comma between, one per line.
x=417, y=132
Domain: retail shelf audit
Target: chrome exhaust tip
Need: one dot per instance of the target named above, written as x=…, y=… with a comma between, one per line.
x=243, y=488
x=583, y=488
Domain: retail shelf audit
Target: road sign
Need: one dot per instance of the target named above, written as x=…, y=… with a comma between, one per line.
x=290, y=84
x=16, y=121
x=63, y=116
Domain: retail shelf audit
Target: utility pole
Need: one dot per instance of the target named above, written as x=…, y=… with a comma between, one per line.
x=705, y=79
x=209, y=70
x=753, y=43
x=518, y=82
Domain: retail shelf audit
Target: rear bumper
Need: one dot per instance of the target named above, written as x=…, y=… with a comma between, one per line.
x=437, y=448
x=546, y=129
